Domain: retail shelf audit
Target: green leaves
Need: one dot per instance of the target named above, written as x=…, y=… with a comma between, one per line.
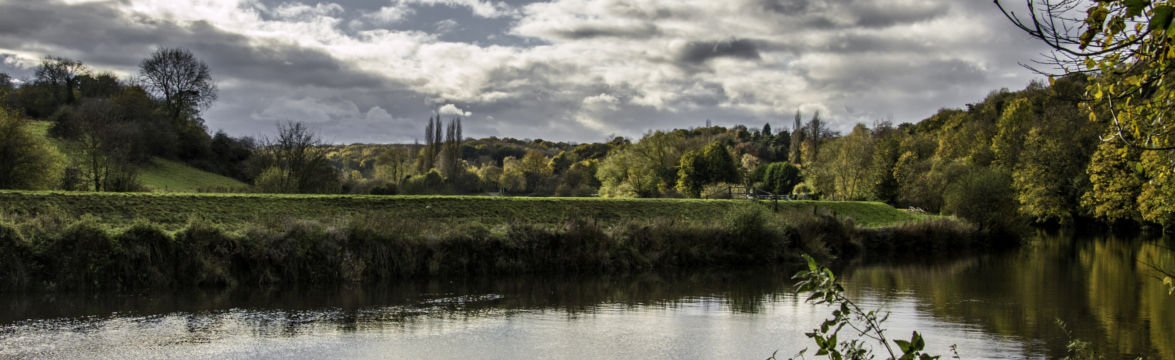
x=866, y=326
x=1162, y=18
x=1135, y=7
x=912, y=349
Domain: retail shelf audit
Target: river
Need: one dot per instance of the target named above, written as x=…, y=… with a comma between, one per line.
x=1001, y=305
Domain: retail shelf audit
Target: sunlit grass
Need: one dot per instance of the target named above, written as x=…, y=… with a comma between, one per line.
x=175, y=209
x=173, y=176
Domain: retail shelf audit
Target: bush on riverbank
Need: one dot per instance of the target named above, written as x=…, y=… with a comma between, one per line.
x=86, y=254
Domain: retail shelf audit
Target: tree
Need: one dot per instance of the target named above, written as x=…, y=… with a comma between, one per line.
x=101, y=85
x=27, y=161
x=713, y=164
x=625, y=173
x=886, y=152
x=513, y=176
x=449, y=155
x=62, y=75
x=393, y=165
x=6, y=85
x=296, y=162
x=984, y=196
x=105, y=144
x=1156, y=202
x=431, y=152
x=844, y=165
x=561, y=162
x=1126, y=45
x=797, y=138
x=780, y=177
x=1013, y=126
x=180, y=81
x=489, y=176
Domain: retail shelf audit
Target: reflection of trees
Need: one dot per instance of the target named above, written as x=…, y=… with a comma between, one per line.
x=290, y=312
x=1100, y=286
x=1162, y=312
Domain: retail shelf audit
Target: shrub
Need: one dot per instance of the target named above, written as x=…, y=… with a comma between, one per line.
x=16, y=260
x=149, y=257
x=27, y=161
x=984, y=196
x=274, y=180
x=206, y=255
x=781, y=177
x=83, y=256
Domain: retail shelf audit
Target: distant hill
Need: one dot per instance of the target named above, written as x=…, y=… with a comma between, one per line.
x=163, y=175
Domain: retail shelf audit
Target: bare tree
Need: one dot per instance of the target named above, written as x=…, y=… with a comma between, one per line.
x=297, y=158
x=62, y=74
x=182, y=82
x=104, y=145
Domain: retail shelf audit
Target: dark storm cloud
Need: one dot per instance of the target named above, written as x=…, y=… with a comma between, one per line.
x=874, y=15
x=784, y=6
x=234, y=56
x=100, y=36
x=698, y=52
x=643, y=31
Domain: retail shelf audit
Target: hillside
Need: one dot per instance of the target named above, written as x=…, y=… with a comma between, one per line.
x=162, y=175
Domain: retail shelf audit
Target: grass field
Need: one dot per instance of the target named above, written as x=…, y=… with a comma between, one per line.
x=864, y=213
x=172, y=176
x=176, y=209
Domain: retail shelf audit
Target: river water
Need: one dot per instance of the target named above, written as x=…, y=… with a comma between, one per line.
x=991, y=306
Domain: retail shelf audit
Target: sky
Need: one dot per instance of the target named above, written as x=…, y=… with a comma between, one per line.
x=373, y=71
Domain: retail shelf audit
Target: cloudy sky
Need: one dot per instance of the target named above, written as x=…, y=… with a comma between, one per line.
x=574, y=70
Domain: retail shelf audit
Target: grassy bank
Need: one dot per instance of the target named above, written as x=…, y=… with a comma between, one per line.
x=234, y=211
x=86, y=240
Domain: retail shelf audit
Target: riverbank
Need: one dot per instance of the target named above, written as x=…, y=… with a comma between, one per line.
x=134, y=241
x=174, y=210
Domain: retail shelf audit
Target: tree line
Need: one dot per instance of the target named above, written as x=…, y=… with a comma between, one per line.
x=1015, y=157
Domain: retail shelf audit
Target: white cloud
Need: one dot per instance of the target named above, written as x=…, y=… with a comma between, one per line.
x=388, y=15
x=592, y=64
x=601, y=100
x=302, y=11
x=453, y=110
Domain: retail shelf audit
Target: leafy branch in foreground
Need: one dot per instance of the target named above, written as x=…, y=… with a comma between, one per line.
x=866, y=326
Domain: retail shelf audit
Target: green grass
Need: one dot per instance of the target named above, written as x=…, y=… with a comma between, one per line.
x=173, y=176
x=237, y=210
x=160, y=175
x=864, y=213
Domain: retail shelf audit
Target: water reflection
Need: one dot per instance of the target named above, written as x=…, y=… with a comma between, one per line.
x=993, y=306
x=1104, y=287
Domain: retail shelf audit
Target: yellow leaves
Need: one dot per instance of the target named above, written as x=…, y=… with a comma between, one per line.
x=1090, y=63
x=1170, y=284
x=1092, y=117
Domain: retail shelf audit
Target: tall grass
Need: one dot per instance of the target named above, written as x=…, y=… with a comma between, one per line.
x=371, y=247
